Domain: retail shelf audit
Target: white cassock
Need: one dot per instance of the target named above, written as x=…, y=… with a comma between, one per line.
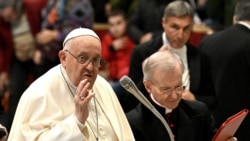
x=46, y=113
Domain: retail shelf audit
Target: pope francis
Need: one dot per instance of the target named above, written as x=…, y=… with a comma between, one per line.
x=71, y=102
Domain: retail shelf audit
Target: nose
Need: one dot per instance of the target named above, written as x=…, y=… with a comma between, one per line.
x=180, y=33
x=90, y=65
x=174, y=94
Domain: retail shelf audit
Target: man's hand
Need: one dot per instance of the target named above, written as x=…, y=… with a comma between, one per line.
x=82, y=98
x=187, y=95
x=46, y=36
x=119, y=44
x=146, y=37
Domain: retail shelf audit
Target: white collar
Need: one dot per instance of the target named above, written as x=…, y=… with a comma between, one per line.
x=65, y=75
x=166, y=42
x=244, y=24
x=167, y=110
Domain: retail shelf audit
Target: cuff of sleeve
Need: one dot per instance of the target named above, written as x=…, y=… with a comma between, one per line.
x=82, y=127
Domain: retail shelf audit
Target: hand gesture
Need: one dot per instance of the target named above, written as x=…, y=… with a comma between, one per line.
x=187, y=95
x=82, y=98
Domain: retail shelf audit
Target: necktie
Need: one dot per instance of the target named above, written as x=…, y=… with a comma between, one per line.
x=169, y=120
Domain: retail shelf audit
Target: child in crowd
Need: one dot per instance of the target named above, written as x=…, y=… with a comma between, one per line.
x=116, y=49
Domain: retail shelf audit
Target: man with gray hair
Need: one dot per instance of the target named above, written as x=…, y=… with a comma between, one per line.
x=71, y=102
x=228, y=54
x=188, y=120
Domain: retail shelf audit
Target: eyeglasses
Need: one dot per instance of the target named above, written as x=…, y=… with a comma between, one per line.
x=177, y=90
x=84, y=59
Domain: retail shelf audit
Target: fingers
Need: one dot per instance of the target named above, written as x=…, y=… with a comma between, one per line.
x=187, y=95
x=82, y=98
x=88, y=97
x=82, y=90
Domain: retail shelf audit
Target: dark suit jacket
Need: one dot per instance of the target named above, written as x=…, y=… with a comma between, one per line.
x=146, y=18
x=193, y=122
x=229, y=54
x=200, y=84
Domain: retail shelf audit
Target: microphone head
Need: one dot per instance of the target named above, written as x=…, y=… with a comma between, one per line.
x=130, y=86
x=126, y=82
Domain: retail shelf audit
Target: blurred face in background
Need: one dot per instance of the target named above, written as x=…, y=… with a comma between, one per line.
x=9, y=14
x=178, y=30
x=117, y=25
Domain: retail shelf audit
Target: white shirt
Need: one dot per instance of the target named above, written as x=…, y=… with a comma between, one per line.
x=182, y=53
x=245, y=24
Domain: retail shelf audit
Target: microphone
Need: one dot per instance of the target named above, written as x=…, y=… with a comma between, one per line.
x=130, y=86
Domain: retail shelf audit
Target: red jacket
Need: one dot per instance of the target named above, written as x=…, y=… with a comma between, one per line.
x=118, y=60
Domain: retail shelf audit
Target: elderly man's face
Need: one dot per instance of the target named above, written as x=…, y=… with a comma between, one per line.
x=163, y=84
x=82, y=48
x=178, y=30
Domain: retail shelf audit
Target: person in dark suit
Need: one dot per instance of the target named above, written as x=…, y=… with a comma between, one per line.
x=177, y=23
x=228, y=52
x=189, y=120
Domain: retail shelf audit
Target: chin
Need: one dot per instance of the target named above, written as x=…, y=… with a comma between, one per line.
x=178, y=46
x=173, y=106
x=91, y=81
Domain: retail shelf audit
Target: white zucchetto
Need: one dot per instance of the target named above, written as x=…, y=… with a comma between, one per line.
x=80, y=32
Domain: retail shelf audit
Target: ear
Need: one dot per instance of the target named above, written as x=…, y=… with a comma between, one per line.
x=234, y=19
x=147, y=86
x=163, y=22
x=62, y=57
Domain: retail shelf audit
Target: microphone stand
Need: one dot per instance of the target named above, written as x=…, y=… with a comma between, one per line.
x=130, y=86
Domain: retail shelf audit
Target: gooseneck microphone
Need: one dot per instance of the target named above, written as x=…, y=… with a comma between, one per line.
x=130, y=86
